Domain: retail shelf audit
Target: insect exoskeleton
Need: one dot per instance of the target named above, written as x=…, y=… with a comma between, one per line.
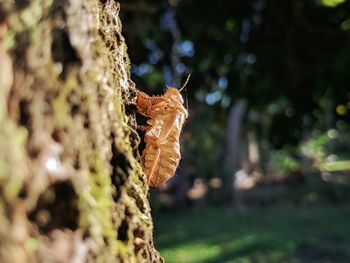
x=166, y=117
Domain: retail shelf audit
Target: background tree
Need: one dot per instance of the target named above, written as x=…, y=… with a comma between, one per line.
x=288, y=60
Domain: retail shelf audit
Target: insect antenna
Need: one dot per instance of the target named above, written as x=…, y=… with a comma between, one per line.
x=186, y=100
x=184, y=85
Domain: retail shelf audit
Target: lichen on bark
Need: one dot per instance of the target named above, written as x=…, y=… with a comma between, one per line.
x=71, y=188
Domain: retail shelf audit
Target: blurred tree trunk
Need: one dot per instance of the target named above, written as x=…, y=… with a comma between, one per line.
x=234, y=150
x=234, y=144
x=71, y=189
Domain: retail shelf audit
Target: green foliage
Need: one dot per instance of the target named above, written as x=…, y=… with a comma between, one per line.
x=200, y=144
x=282, y=161
x=268, y=51
x=331, y=3
x=289, y=60
x=316, y=148
x=330, y=151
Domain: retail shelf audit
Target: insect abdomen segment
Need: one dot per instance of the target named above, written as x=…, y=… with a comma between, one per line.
x=166, y=164
x=167, y=116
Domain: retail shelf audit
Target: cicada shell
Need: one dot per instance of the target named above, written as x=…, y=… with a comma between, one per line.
x=166, y=117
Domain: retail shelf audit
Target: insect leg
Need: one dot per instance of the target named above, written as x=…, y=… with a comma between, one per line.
x=155, y=161
x=145, y=103
x=143, y=127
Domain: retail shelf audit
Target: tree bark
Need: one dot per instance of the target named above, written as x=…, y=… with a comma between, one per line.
x=71, y=188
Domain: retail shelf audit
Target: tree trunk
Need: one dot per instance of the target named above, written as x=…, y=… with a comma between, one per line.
x=234, y=151
x=71, y=189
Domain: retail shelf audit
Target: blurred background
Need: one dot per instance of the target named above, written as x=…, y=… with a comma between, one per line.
x=265, y=174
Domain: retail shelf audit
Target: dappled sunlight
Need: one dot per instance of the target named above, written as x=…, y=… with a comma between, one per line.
x=198, y=190
x=272, y=235
x=331, y=3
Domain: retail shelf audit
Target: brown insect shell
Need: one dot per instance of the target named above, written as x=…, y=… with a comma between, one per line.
x=144, y=102
x=161, y=112
x=174, y=95
x=167, y=115
x=173, y=100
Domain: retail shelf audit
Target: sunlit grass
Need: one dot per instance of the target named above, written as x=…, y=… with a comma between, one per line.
x=263, y=236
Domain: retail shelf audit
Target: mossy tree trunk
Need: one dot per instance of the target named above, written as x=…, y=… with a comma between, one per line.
x=71, y=188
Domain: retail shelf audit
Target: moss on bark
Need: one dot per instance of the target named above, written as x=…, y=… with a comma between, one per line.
x=71, y=188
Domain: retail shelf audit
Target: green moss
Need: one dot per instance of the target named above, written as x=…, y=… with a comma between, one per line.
x=61, y=107
x=77, y=112
x=32, y=245
x=10, y=40
x=12, y=140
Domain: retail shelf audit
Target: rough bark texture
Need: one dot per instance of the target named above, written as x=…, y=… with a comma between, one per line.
x=71, y=189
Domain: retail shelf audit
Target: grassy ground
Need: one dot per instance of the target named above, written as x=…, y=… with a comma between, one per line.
x=307, y=235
